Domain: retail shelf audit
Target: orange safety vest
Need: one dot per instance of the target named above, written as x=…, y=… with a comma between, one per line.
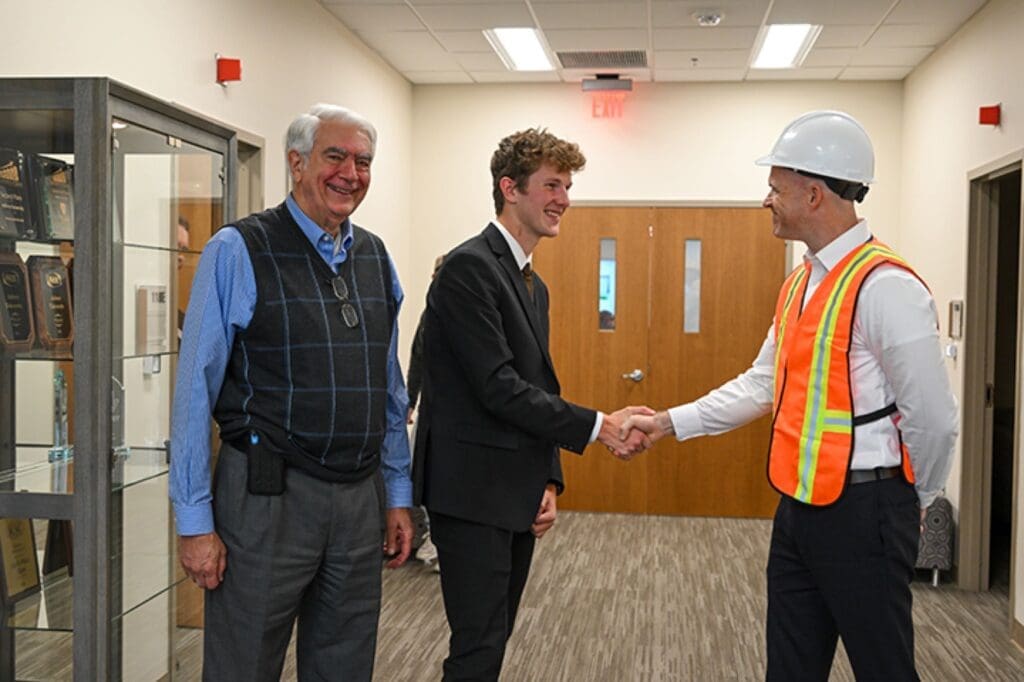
x=812, y=428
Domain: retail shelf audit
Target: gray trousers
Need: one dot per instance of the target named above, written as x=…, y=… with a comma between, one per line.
x=313, y=553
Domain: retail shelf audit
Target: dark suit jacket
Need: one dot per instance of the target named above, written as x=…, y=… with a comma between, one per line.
x=491, y=420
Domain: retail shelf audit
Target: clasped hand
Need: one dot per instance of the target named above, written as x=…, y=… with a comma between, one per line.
x=624, y=442
x=632, y=430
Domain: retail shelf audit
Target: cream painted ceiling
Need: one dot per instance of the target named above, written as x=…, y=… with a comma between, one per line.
x=440, y=41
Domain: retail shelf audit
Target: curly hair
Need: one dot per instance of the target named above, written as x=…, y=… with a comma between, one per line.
x=519, y=155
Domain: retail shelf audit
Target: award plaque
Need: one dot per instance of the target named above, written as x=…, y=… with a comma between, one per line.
x=15, y=218
x=20, y=564
x=16, y=329
x=51, y=302
x=54, y=198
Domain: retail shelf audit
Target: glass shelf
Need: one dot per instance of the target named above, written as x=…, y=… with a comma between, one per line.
x=162, y=354
x=49, y=609
x=40, y=354
x=35, y=473
x=146, y=554
x=19, y=242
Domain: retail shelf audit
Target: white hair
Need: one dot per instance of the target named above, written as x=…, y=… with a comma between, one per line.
x=302, y=131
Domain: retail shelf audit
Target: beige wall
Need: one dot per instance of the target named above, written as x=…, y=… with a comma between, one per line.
x=942, y=144
x=675, y=142
x=294, y=54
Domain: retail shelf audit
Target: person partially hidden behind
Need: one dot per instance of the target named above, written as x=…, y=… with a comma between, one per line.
x=491, y=420
x=290, y=341
x=426, y=552
x=864, y=421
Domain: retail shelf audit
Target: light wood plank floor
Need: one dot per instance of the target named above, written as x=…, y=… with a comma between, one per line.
x=620, y=598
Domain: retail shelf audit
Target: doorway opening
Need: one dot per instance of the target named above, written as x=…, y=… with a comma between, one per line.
x=991, y=378
x=1008, y=189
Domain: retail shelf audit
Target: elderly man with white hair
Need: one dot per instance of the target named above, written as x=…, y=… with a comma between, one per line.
x=290, y=343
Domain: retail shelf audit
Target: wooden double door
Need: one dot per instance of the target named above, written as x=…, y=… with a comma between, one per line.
x=657, y=306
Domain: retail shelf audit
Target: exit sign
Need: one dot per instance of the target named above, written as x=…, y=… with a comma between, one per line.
x=607, y=104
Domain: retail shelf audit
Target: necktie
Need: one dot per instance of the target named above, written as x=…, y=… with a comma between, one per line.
x=528, y=278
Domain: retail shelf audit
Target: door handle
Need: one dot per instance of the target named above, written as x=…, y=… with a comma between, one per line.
x=635, y=375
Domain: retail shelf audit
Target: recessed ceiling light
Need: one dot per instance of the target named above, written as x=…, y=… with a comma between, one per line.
x=784, y=46
x=707, y=19
x=519, y=48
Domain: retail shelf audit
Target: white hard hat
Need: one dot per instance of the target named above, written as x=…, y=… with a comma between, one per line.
x=828, y=143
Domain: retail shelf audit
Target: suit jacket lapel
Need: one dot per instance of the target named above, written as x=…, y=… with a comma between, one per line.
x=507, y=262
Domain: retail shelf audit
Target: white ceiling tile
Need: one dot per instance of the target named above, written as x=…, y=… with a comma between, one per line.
x=828, y=11
x=815, y=74
x=376, y=17
x=953, y=12
x=704, y=38
x=480, y=61
x=597, y=39
x=592, y=15
x=843, y=36
x=466, y=17
x=829, y=56
x=734, y=13
x=514, y=76
x=890, y=56
x=457, y=48
x=711, y=59
x=911, y=35
x=875, y=73
x=430, y=77
x=463, y=41
x=411, y=50
x=678, y=75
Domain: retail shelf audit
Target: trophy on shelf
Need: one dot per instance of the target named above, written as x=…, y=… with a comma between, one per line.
x=62, y=449
x=15, y=215
x=51, y=300
x=17, y=333
x=54, y=198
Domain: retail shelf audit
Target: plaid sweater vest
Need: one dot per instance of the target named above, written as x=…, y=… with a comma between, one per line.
x=311, y=385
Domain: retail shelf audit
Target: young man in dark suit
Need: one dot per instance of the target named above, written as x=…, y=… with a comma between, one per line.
x=491, y=418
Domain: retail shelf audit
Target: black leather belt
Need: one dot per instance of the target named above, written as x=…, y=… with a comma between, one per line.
x=876, y=474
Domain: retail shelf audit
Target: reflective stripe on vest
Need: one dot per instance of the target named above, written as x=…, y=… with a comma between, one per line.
x=812, y=428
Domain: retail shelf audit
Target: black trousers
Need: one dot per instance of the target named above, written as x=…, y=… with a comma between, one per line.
x=844, y=571
x=483, y=573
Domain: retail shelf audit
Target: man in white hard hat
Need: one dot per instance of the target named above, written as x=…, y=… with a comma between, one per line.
x=864, y=422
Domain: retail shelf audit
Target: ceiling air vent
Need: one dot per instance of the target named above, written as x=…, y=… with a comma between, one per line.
x=605, y=59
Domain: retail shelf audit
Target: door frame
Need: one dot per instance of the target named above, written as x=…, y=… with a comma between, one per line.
x=979, y=347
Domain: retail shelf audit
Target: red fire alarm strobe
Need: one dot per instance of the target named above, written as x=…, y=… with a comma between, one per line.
x=228, y=69
x=989, y=116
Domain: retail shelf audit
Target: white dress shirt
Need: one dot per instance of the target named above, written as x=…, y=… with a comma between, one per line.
x=521, y=260
x=894, y=357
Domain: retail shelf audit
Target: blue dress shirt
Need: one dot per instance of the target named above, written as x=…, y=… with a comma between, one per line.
x=221, y=304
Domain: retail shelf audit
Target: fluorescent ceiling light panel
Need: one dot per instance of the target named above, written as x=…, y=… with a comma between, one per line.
x=519, y=48
x=784, y=46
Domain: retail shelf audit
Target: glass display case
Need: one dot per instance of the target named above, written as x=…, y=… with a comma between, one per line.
x=106, y=198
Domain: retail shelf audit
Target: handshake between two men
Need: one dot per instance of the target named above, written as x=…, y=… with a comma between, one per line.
x=631, y=430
